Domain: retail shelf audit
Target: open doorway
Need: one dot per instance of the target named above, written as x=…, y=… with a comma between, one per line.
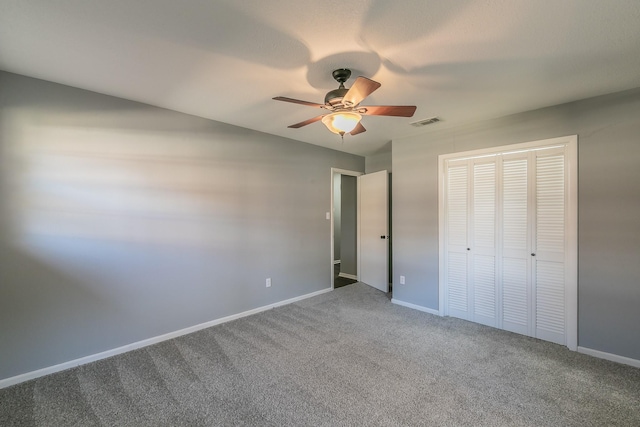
x=360, y=238
x=345, y=228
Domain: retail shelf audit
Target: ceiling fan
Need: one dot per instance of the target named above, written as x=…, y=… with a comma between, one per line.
x=343, y=105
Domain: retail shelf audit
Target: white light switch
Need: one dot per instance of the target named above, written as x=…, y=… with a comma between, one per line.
x=328, y=215
x=402, y=280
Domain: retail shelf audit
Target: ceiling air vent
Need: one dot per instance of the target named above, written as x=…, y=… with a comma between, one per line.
x=424, y=122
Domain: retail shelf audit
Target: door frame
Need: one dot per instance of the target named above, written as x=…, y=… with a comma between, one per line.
x=355, y=174
x=571, y=251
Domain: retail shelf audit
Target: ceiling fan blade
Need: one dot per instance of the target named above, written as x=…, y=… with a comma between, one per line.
x=361, y=88
x=390, y=110
x=358, y=129
x=306, y=122
x=298, y=101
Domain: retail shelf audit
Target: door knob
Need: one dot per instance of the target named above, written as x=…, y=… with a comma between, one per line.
x=384, y=237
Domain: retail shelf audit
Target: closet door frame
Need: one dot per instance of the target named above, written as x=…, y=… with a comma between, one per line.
x=571, y=220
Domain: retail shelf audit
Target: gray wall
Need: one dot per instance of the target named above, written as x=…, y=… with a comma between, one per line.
x=349, y=230
x=120, y=221
x=378, y=162
x=608, y=130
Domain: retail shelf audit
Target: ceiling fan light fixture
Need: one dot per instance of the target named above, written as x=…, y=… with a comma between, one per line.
x=341, y=122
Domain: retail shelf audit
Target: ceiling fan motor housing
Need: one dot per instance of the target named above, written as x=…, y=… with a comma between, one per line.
x=334, y=97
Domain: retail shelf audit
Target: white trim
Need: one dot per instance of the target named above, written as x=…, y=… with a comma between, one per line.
x=150, y=341
x=415, y=307
x=348, y=276
x=609, y=356
x=358, y=225
x=441, y=238
x=571, y=251
x=542, y=144
x=337, y=261
x=345, y=172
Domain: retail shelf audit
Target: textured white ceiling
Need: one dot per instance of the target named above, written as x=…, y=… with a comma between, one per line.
x=462, y=60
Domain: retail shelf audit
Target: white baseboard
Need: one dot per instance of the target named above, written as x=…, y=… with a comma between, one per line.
x=348, y=276
x=415, y=307
x=144, y=343
x=609, y=356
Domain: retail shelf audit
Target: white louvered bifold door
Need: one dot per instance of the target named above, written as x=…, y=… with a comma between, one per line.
x=457, y=214
x=507, y=243
x=482, y=242
x=516, y=244
x=548, y=251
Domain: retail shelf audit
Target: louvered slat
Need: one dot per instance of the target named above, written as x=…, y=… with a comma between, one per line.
x=457, y=211
x=550, y=203
x=457, y=281
x=550, y=301
x=515, y=304
x=484, y=289
x=515, y=207
x=484, y=205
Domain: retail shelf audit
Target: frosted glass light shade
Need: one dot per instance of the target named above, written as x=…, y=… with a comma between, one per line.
x=341, y=122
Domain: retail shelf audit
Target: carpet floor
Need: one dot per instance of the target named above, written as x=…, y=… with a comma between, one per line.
x=345, y=358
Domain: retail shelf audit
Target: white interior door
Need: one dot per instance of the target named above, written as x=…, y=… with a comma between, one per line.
x=516, y=243
x=373, y=209
x=548, y=252
x=457, y=247
x=483, y=242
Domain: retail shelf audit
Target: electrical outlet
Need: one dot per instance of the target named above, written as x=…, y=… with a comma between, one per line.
x=402, y=280
x=268, y=282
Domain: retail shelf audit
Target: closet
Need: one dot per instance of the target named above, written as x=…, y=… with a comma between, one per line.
x=508, y=238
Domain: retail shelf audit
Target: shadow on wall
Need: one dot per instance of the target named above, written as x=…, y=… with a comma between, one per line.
x=123, y=185
x=42, y=306
x=100, y=226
